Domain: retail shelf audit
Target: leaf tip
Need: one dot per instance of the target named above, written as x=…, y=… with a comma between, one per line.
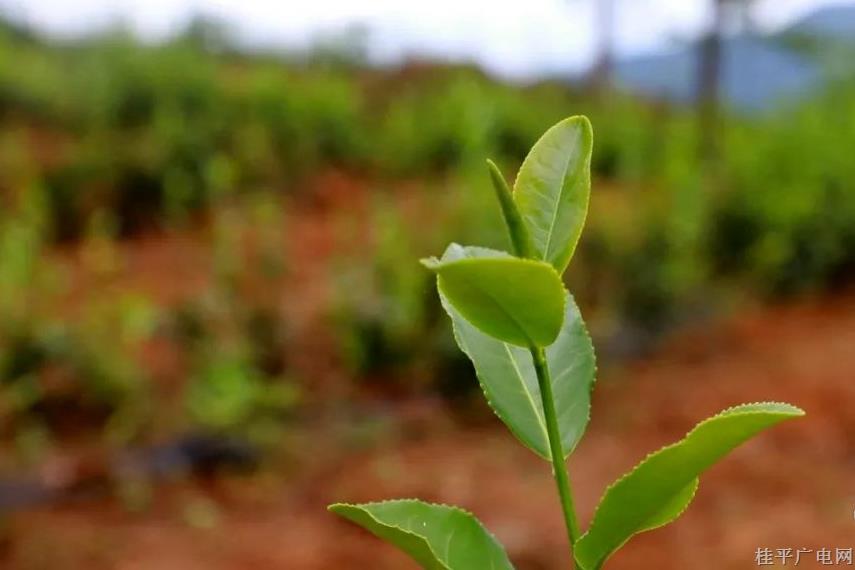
x=583, y=122
x=432, y=263
x=496, y=175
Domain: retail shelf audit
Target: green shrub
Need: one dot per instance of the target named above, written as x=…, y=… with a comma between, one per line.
x=534, y=359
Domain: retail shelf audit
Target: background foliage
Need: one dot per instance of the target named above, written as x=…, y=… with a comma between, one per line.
x=193, y=238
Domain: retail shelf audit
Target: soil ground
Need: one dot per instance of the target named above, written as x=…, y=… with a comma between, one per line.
x=791, y=488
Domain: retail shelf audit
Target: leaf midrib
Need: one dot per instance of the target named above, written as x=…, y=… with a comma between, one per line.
x=555, y=208
x=541, y=422
x=502, y=310
x=521, y=379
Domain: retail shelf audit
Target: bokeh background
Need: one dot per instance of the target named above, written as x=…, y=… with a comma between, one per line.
x=212, y=318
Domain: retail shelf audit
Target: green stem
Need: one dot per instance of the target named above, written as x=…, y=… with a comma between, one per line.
x=559, y=467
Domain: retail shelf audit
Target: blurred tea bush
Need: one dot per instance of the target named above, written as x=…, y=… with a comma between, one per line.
x=105, y=142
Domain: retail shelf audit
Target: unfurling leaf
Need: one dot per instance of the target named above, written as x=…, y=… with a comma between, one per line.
x=519, y=301
x=553, y=187
x=660, y=487
x=435, y=536
x=517, y=229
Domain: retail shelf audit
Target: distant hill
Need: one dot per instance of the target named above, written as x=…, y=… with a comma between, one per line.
x=15, y=31
x=759, y=72
x=756, y=74
x=835, y=22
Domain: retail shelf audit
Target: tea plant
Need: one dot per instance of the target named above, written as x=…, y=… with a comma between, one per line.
x=233, y=334
x=535, y=363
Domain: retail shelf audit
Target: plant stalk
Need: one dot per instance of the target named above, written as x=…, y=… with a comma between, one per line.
x=559, y=467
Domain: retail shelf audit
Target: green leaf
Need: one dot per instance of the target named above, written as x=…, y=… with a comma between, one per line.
x=553, y=187
x=657, y=490
x=517, y=229
x=436, y=536
x=520, y=301
x=507, y=376
x=675, y=507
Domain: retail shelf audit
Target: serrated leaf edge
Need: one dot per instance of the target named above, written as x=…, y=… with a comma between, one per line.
x=456, y=332
x=683, y=510
x=538, y=412
x=736, y=410
x=731, y=411
x=596, y=370
x=331, y=508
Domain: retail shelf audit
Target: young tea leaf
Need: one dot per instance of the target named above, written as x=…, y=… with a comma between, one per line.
x=520, y=239
x=661, y=486
x=507, y=376
x=519, y=301
x=437, y=537
x=552, y=189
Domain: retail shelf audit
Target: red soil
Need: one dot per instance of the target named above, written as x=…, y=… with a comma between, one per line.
x=792, y=487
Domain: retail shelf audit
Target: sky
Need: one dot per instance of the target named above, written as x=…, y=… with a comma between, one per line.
x=512, y=38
